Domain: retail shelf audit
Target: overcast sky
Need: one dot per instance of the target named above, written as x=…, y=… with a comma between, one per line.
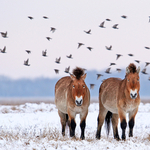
x=71, y=18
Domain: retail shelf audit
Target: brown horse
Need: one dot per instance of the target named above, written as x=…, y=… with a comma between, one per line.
x=72, y=97
x=116, y=98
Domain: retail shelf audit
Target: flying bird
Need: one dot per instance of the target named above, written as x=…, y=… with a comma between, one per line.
x=92, y=86
x=119, y=70
x=4, y=34
x=111, y=64
x=26, y=62
x=115, y=26
x=44, y=53
x=102, y=24
x=30, y=17
x=147, y=47
x=28, y=51
x=53, y=29
x=45, y=17
x=49, y=38
x=109, y=48
x=131, y=55
x=108, y=19
x=89, y=48
x=123, y=16
x=3, y=50
x=58, y=60
x=88, y=32
x=70, y=56
x=56, y=71
x=147, y=63
x=108, y=70
x=144, y=71
x=80, y=44
x=137, y=61
x=118, y=56
x=98, y=76
x=67, y=69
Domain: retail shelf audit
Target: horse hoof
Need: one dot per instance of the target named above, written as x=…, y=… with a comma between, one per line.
x=118, y=139
x=82, y=137
x=123, y=138
x=63, y=133
x=98, y=137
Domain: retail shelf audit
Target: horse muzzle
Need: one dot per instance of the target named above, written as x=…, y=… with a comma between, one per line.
x=79, y=100
x=133, y=94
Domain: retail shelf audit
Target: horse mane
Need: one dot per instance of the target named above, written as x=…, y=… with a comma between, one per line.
x=78, y=72
x=132, y=68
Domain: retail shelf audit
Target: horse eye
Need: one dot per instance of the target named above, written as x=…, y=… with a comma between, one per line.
x=138, y=80
x=83, y=86
x=128, y=80
x=73, y=86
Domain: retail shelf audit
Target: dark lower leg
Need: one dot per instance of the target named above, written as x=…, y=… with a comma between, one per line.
x=115, y=126
x=98, y=133
x=82, y=126
x=116, y=135
x=72, y=125
x=63, y=130
x=123, y=127
x=131, y=125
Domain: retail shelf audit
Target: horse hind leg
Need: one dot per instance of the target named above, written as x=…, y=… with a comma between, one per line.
x=114, y=120
x=63, y=120
x=100, y=120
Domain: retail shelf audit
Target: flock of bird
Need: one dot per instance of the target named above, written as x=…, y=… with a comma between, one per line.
x=109, y=48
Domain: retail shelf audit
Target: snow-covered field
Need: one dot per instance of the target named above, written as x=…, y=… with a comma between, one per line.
x=37, y=127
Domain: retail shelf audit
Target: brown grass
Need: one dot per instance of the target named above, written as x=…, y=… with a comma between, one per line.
x=148, y=137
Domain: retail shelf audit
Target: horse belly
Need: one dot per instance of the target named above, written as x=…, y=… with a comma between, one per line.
x=111, y=105
x=110, y=102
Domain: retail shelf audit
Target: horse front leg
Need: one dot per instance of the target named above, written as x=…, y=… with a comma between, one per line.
x=83, y=116
x=131, y=121
x=72, y=123
x=123, y=124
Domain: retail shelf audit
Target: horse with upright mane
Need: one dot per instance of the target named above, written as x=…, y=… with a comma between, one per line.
x=118, y=97
x=72, y=97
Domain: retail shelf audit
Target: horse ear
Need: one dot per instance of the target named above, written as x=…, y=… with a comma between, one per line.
x=72, y=77
x=138, y=69
x=127, y=70
x=84, y=76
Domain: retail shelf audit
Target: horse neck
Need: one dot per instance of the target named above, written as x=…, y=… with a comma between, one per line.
x=123, y=89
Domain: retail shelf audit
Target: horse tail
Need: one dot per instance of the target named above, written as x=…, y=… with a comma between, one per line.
x=108, y=122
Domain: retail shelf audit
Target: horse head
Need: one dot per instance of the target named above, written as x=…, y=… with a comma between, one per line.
x=78, y=86
x=132, y=81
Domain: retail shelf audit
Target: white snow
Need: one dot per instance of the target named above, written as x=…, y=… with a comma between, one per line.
x=37, y=127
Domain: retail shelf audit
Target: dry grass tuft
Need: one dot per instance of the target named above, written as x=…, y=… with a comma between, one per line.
x=148, y=137
x=5, y=111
